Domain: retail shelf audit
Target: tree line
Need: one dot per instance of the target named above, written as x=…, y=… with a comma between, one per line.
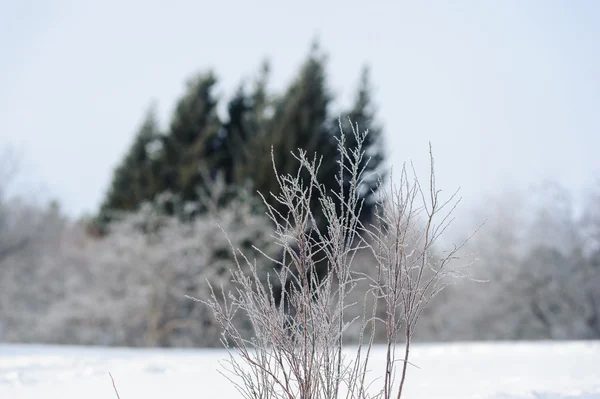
x=200, y=146
x=159, y=240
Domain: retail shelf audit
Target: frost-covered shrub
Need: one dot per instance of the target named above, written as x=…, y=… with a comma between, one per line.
x=129, y=287
x=542, y=264
x=29, y=234
x=297, y=349
x=142, y=276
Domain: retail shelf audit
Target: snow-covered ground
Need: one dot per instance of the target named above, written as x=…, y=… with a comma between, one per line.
x=476, y=370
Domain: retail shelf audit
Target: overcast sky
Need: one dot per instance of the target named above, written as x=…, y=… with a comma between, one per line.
x=508, y=92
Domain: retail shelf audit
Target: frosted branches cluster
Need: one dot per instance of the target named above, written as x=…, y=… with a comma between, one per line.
x=298, y=349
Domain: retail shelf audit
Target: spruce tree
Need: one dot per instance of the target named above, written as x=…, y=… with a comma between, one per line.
x=199, y=146
x=301, y=120
x=362, y=115
x=191, y=146
x=134, y=179
x=298, y=122
x=246, y=130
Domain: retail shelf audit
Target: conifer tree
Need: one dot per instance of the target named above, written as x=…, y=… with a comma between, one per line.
x=246, y=129
x=362, y=114
x=242, y=143
x=198, y=145
x=299, y=121
x=191, y=146
x=302, y=119
x=134, y=179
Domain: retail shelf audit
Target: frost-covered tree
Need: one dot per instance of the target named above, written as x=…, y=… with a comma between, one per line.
x=127, y=287
x=147, y=264
x=590, y=220
x=542, y=274
x=15, y=231
x=30, y=235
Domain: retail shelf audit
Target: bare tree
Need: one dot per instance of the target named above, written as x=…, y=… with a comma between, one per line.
x=297, y=350
x=29, y=233
x=14, y=233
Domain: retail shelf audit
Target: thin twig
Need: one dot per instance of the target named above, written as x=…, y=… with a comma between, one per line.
x=114, y=385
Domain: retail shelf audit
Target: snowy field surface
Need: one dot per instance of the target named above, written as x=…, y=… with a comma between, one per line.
x=477, y=370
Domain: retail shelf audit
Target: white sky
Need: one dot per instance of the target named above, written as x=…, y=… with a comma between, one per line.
x=507, y=91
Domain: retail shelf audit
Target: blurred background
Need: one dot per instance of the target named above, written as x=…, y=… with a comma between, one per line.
x=129, y=129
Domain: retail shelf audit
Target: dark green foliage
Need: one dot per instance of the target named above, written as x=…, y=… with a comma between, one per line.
x=134, y=179
x=199, y=146
x=301, y=119
x=182, y=158
x=298, y=121
x=245, y=131
x=362, y=114
x=188, y=152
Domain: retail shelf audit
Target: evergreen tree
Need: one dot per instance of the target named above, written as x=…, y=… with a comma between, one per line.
x=134, y=178
x=361, y=115
x=192, y=145
x=298, y=122
x=199, y=146
x=246, y=129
